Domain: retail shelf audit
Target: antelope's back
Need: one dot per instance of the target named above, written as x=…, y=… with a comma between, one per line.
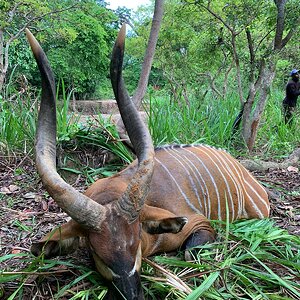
x=201, y=179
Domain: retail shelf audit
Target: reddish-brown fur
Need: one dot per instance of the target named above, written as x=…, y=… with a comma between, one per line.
x=173, y=191
x=163, y=201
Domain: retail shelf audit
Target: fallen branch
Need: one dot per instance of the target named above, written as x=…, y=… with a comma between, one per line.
x=259, y=165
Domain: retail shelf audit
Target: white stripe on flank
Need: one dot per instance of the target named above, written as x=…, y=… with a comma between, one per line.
x=191, y=179
x=179, y=188
x=239, y=188
x=208, y=152
x=181, y=159
x=201, y=182
x=223, y=161
x=213, y=182
x=255, y=191
x=242, y=180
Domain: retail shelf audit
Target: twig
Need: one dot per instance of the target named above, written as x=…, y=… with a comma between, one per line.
x=37, y=273
x=171, y=278
x=17, y=248
x=76, y=288
x=35, y=213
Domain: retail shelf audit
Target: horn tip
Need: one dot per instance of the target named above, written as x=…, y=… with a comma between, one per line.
x=121, y=36
x=34, y=44
x=29, y=35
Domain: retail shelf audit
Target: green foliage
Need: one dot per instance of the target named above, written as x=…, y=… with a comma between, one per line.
x=276, y=138
x=210, y=121
x=257, y=261
x=40, y=266
x=104, y=90
x=80, y=51
x=187, y=47
x=20, y=61
x=15, y=16
x=195, y=46
x=77, y=37
x=30, y=7
x=87, y=138
x=17, y=124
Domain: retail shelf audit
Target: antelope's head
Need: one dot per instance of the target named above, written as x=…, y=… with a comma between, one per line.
x=113, y=228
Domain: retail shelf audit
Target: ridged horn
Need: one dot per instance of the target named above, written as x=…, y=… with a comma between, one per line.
x=133, y=199
x=79, y=207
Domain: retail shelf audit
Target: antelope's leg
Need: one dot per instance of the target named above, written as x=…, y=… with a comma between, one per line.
x=62, y=240
x=195, y=232
x=197, y=238
x=202, y=233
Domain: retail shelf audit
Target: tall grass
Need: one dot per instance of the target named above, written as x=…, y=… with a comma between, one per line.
x=17, y=117
x=17, y=124
x=276, y=138
x=207, y=121
x=66, y=121
x=210, y=121
x=256, y=261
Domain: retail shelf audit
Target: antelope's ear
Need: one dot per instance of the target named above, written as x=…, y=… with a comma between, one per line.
x=168, y=225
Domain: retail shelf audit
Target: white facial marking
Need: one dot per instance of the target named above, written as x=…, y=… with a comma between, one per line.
x=137, y=262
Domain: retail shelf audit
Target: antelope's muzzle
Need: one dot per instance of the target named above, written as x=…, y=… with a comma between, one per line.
x=125, y=287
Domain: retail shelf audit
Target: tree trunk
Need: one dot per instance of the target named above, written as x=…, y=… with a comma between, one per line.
x=238, y=67
x=264, y=79
x=2, y=78
x=149, y=55
x=251, y=119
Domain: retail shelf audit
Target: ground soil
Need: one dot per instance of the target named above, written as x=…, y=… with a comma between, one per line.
x=27, y=213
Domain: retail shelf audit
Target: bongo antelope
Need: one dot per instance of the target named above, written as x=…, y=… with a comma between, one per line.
x=160, y=202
